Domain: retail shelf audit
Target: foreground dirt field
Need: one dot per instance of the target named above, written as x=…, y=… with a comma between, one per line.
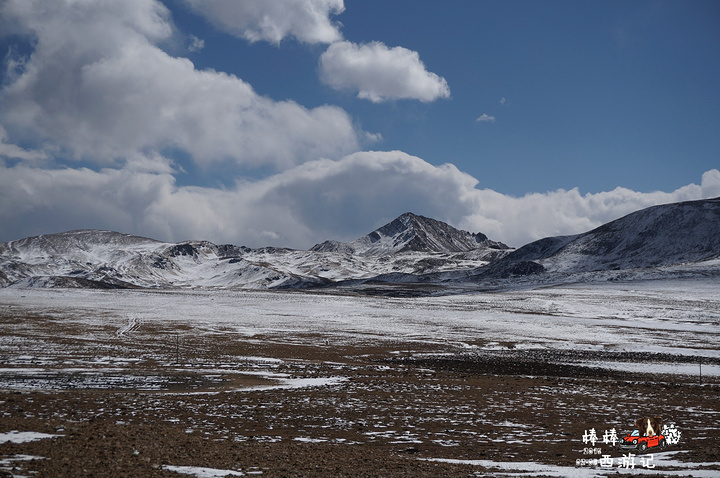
x=389, y=414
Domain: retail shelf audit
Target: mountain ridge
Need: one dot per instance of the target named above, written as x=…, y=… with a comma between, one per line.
x=657, y=236
x=407, y=252
x=95, y=258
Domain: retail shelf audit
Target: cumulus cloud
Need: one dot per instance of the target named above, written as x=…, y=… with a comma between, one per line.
x=304, y=205
x=98, y=85
x=273, y=20
x=377, y=72
x=380, y=73
x=485, y=118
x=373, y=137
x=196, y=44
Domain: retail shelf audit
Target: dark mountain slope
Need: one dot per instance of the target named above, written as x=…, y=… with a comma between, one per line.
x=664, y=235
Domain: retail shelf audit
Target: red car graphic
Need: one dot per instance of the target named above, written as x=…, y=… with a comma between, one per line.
x=634, y=440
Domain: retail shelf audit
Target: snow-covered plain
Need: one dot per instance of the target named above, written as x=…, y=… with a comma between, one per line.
x=681, y=318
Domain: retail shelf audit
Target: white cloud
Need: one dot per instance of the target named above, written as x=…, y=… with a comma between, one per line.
x=380, y=73
x=502, y=101
x=373, y=137
x=196, y=44
x=710, y=184
x=273, y=20
x=485, y=118
x=307, y=204
x=98, y=86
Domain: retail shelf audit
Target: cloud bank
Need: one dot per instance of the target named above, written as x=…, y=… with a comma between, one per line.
x=380, y=73
x=304, y=205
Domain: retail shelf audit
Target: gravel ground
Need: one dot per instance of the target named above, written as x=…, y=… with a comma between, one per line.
x=380, y=413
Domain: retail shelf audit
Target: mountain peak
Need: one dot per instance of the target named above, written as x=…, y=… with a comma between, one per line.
x=411, y=232
x=415, y=222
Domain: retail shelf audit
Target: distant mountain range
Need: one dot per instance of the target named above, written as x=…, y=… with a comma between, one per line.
x=412, y=250
x=409, y=245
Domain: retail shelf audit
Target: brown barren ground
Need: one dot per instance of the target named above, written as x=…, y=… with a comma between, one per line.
x=376, y=409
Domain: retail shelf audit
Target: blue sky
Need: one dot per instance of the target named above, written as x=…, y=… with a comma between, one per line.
x=288, y=122
x=597, y=94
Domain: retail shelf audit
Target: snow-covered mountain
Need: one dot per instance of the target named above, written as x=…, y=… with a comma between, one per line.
x=659, y=236
x=676, y=238
x=411, y=232
x=88, y=258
